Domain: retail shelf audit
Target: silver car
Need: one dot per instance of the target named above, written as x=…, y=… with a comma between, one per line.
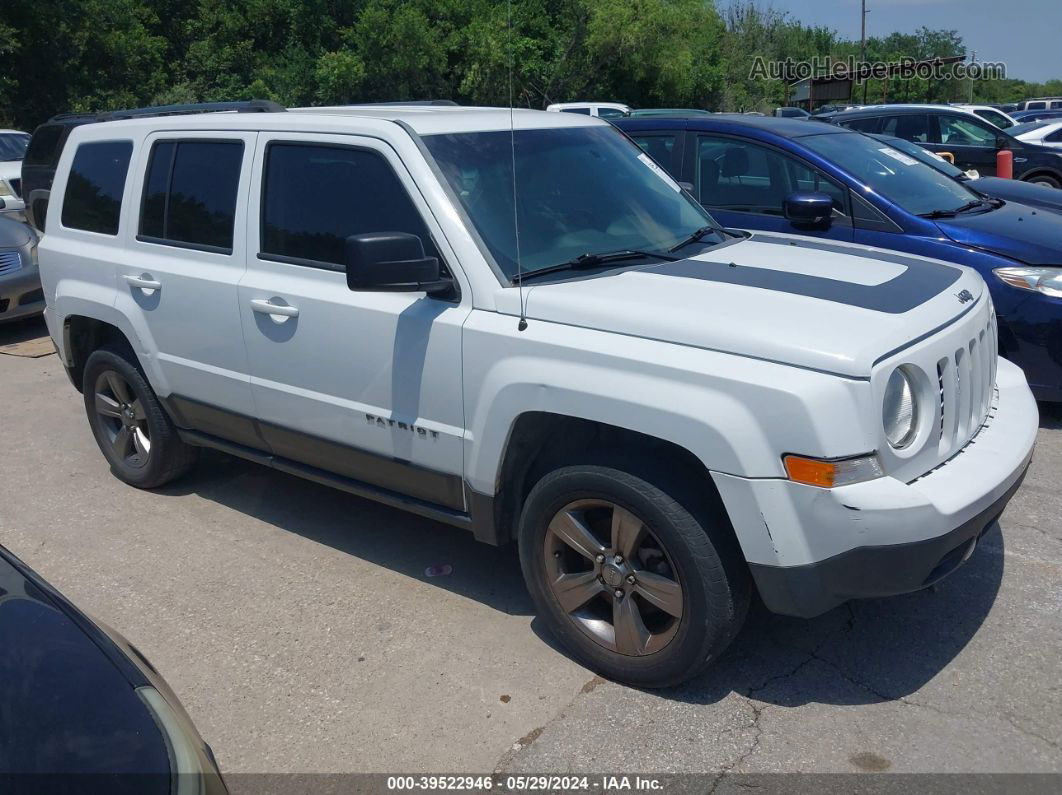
x=20, y=282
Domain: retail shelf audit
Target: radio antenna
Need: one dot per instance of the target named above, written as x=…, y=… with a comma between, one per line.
x=512, y=148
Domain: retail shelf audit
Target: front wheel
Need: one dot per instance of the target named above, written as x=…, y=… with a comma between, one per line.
x=633, y=584
x=133, y=432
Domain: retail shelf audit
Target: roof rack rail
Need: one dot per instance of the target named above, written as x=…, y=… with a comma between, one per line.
x=244, y=106
x=444, y=102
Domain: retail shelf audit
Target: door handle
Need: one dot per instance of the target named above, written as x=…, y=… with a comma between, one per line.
x=144, y=282
x=278, y=313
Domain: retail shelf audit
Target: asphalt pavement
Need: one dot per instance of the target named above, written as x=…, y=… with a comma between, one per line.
x=303, y=633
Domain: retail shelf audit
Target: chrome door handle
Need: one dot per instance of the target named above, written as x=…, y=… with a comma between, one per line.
x=144, y=282
x=278, y=313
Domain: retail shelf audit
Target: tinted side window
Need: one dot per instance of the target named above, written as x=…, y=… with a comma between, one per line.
x=315, y=197
x=662, y=148
x=43, y=145
x=910, y=127
x=863, y=125
x=190, y=193
x=966, y=132
x=1054, y=137
x=584, y=111
x=739, y=175
x=610, y=113
x=93, y=200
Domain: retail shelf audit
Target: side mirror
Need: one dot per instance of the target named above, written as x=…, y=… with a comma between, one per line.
x=808, y=208
x=1002, y=142
x=392, y=262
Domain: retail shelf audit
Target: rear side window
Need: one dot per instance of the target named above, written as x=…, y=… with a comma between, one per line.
x=93, y=199
x=190, y=194
x=315, y=197
x=910, y=127
x=43, y=145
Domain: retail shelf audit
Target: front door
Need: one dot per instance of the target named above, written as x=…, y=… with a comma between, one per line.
x=971, y=141
x=744, y=184
x=366, y=385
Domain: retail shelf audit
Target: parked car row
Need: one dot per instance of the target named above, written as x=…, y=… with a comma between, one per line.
x=768, y=174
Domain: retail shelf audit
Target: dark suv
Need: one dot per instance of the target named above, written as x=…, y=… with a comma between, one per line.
x=972, y=141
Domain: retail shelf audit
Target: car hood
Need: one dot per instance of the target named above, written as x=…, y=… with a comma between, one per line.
x=826, y=306
x=1015, y=190
x=1027, y=234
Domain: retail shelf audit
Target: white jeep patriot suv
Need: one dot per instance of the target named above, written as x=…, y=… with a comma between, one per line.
x=662, y=413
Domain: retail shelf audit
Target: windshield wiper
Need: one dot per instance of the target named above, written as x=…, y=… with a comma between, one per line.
x=970, y=205
x=592, y=261
x=693, y=238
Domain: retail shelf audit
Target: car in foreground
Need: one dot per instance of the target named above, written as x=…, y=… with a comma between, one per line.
x=604, y=110
x=13, y=145
x=81, y=709
x=517, y=323
x=21, y=295
x=972, y=141
x=756, y=174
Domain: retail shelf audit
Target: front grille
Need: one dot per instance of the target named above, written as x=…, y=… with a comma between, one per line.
x=966, y=381
x=16, y=186
x=9, y=261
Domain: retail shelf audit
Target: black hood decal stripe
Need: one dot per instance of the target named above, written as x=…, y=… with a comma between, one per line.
x=920, y=282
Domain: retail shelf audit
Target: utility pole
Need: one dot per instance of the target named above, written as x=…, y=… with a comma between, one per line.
x=973, y=60
x=863, y=46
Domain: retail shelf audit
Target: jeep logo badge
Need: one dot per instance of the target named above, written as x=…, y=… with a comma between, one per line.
x=964, y=296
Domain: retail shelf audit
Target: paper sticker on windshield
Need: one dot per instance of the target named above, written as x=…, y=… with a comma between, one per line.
x=895, y=154
x=659, y=172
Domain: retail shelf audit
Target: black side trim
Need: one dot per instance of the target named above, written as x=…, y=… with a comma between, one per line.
x=485, y=528
x=868, y=572
x=920, y=282
x=225, y=424
x=351, y=462
x=350, y=485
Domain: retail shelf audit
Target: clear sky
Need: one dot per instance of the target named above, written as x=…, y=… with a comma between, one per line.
x=1024, y=34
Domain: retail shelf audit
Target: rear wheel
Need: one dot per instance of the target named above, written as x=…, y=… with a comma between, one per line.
x=1044, y=179
x=133, y=432
x=634, y=584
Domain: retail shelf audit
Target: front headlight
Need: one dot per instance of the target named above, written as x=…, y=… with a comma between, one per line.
x=899, y=411
x=5, y=188
x=1043, y=280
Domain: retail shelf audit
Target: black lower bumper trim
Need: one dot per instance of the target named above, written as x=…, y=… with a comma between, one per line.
x=868, y=572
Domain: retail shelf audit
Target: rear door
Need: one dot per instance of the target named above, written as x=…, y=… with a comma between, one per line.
x=366, y=385
x=177, y=282
x=743, y=184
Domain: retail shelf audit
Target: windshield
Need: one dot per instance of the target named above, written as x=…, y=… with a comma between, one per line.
x=580, y=190
x=918, y=153
x=899, y=177
x=13, y=145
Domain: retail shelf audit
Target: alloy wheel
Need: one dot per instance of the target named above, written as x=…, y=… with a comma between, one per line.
x=122, y=418
x=612, y=577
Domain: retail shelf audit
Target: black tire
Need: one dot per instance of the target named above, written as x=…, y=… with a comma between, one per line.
x=1044, y=179
x=167, y=457
x=702, y=557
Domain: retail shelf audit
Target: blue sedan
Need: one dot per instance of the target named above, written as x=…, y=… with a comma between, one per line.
x=810, y=178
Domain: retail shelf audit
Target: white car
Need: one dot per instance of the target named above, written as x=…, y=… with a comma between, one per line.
x=13, y=145
x=1043, y=133
x=991, y=115
x=662, y=413
x=605, y=110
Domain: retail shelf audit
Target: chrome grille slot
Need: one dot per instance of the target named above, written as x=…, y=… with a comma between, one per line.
x=966, y=384
x=10, y=261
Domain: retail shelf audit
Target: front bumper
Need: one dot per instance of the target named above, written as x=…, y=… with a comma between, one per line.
x=21, y=294
x=811, y=549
